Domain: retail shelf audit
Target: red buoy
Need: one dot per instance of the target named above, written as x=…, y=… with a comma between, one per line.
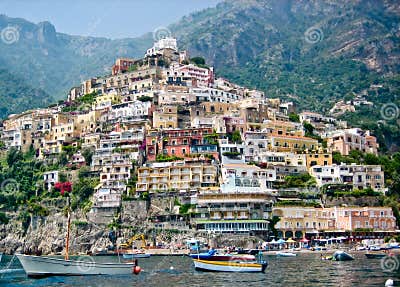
x=136, y=270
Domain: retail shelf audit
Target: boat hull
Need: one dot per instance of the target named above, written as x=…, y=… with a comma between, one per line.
x=37, y=266
x=342, y=256
x=218, y=257
x=216, y=266
x=286, y=254
x=372, y=256
x=135, y=256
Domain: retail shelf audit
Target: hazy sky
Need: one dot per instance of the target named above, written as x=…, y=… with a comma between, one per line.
x=104, y=18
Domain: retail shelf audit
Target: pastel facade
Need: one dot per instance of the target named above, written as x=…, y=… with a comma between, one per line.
x=344, y=141
x=358, y=176
x=170, y=177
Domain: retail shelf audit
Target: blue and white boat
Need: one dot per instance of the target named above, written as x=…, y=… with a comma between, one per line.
x=213, y=255
x=135, y=255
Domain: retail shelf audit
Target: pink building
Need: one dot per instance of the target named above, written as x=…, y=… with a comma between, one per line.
x=353, y=218
x=347, y=140
x=202, y=76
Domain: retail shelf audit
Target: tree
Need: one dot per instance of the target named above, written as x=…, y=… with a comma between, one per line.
x=198, y=61
x=271, y=224
x=62, y=158
x=87, y=153
x=14, y=155
x=236, y=137
x=309, y=129
x=294, y=117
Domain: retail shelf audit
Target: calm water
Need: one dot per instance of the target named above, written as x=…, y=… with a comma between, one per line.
x=303, y=270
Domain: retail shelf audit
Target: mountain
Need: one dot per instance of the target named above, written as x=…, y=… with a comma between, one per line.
x=55, y=61
x=309, y=51
x=17, y=96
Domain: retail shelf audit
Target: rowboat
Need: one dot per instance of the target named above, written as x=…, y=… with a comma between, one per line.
x=375, y=255
x=229, y=266
x=38, y=266
x=286, y=254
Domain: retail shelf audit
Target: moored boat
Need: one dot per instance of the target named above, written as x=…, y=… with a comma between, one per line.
x=134, y=255
x=341, y=256
x=375, y=255
x=212, y=255
x=38, y=266
x=1, y=255
x=286, y=254
x=229, y=266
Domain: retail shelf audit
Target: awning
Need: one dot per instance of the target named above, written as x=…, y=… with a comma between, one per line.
x=281, y=241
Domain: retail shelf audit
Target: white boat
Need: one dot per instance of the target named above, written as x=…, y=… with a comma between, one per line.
x=229, y=266
x=286, y=254
x=1, y=255
x=38, y=266
x=135, y=255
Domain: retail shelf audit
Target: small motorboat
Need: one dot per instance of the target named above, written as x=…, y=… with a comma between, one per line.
x=375, y=248
x=1, y=255
x=341, y=256
x=229, y=266
x=375, y=255
x=213, y=255
x=286, y=254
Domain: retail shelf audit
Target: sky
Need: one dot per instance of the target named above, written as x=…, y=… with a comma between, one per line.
x=104, y=18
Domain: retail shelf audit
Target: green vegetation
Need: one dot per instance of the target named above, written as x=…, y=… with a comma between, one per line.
x=298, y=203
x=82, y=103
x=235, y=136
x=17, y=96
x=145, y=99
x=22, y=175
x=272, y=223
x=294, y=117
x=3, y=218
x=184, y=208
x=166, y=158
x=79, y=223
x=199, y=62
x=302, y=180
x=354, y=193
x=132, y=68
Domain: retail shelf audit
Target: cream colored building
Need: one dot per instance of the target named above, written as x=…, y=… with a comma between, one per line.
x=176, y=177
x=165, y=117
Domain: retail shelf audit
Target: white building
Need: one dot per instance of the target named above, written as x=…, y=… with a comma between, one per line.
x=358, y=176
x=165, y=43
x=50, y=178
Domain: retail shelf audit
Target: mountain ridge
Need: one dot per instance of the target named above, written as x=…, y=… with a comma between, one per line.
x=258, y=43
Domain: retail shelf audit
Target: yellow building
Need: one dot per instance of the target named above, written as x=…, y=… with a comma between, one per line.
x=296, y=221
x=106, y=100
x=318, y=157
x=292, y=143
x=166, y=117
x=176, y=178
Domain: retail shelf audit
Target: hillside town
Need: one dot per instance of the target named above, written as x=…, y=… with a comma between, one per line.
x=204, y=154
